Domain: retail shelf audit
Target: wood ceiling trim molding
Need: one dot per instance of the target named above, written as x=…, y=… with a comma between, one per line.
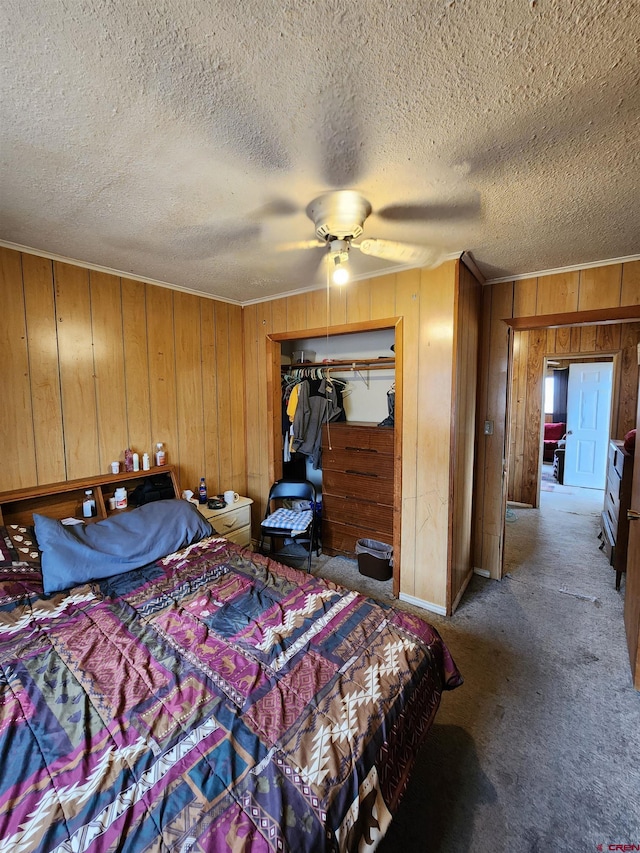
x=74, y=262
x=347, y=329
x=607, y=262
x=624, y=313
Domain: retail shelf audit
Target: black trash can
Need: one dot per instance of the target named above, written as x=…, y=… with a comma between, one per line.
x=375, y=559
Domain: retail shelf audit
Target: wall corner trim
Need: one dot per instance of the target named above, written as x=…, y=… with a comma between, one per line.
x=426, y=605
x=470, y=264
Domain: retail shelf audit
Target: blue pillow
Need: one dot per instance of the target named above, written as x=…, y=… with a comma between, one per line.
x=79, y=553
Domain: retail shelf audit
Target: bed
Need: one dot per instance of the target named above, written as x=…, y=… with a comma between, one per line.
x=209, y=699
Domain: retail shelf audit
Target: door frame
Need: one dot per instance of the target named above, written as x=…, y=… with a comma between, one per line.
x=632, y=589
x=605, y=316
x=274, y=343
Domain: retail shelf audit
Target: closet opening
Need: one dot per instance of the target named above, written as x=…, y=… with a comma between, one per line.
x=364, y=360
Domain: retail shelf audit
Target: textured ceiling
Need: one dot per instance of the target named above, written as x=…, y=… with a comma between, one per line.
x=181, y=141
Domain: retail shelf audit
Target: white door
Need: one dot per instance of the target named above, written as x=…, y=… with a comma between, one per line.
x=588, y=420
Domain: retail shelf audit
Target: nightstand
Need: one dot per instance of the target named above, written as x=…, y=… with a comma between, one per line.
x=233, y=522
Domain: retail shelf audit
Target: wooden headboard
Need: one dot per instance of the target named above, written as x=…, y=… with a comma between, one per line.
x=63, y=500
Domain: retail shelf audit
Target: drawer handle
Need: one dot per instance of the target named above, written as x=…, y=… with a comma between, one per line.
x=360, y=473
x=361, y=449
x=633, y=514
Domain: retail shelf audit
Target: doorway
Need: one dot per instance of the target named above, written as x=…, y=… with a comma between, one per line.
x=523, y=427
x=574, y=481
x=576, y=423
x=536, y=479
x=560, y=507
x=275, y=343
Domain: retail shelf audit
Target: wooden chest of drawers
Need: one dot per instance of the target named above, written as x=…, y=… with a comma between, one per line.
x=357, y=485
x=617, y=499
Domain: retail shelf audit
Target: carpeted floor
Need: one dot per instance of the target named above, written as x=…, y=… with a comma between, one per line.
x=538, y=750
x=546, y=473
x=548, y=482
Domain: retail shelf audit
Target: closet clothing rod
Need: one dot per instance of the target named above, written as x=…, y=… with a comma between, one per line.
x=355, y=365
x=344, y=364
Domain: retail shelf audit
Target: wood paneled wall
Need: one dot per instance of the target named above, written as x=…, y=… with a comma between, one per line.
x=428, y=302
x=581, y=342
x=92, y=363
x=560, y=298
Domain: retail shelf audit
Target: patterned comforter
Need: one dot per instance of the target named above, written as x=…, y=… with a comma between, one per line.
x=213, y=701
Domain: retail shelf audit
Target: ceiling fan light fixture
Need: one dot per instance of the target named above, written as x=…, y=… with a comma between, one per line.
x=339, y=261
x=339, y=214
x=339, y=217
x=340, y=274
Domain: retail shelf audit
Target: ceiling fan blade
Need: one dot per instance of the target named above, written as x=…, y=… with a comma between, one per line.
x=275, y=207
x=208, y=240
x=301, y=268
x=342, y=132
x=298, y=244
x=404, y=253
x=341, y=159
x=315, y=266
x=431, y=212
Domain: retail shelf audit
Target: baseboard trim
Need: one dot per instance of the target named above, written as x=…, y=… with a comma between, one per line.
x=484, y=573
x=426, y=605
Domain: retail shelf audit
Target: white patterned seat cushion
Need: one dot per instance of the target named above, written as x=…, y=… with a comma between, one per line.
x=289, y=519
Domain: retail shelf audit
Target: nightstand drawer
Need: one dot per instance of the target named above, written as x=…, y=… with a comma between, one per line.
x=231, y=519
x=617, y=458
x=227, y=522
x=613, y=485
x=611, y=509
x=241, y=536
x=608, y=543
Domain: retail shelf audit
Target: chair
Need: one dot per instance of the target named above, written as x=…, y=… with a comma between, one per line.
x=298, y=525
x=553, y=433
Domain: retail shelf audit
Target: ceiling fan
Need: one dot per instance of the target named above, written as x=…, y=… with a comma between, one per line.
x=339, y=218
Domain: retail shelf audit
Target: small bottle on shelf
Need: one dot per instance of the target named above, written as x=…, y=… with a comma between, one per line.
x=145, y=461
x=120, y=495
x=202, y=491
x=136, y=462
x=128, y=460
x=161, y=454
x=88, y=504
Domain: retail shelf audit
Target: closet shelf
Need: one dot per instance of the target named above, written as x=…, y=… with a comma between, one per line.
x=344, y=364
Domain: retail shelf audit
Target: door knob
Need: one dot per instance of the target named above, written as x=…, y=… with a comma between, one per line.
x=570, y=432
x=633, y=515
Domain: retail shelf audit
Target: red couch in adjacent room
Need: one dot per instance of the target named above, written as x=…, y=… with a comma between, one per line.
x=552, y=435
